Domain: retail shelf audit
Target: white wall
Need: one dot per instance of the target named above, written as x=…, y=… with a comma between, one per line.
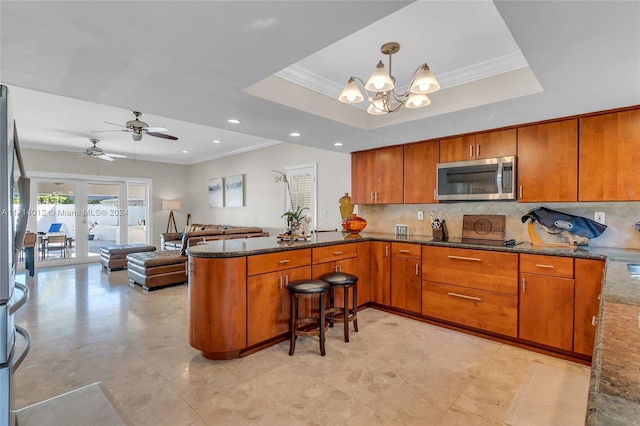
x=264, y=198
x=170, y=181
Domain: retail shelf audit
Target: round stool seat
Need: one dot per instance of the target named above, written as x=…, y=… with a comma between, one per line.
x=345, y=314
x=308, y=286
x=339, y=278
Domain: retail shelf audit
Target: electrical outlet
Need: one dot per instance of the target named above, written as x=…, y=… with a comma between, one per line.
x=599, y=217
x=420, y=215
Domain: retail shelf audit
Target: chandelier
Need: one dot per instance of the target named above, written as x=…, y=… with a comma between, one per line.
x=380, y=88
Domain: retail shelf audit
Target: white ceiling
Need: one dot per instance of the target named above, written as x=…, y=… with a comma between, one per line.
x=278, y=66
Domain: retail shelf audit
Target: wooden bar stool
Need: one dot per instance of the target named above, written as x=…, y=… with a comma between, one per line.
x=307, y=289
x=346, y=281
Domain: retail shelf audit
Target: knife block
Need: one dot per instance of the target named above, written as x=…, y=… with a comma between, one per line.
x=440, y=234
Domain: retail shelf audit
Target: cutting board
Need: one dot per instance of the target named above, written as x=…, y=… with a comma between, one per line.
x=483, y=227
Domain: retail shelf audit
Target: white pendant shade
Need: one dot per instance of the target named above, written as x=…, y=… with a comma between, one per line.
x=377, y=107
x=417, y=100
x=380, y=81
x=425, y=82
x=351, y=93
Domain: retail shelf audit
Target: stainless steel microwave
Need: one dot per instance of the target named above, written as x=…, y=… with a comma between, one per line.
x=489, y=179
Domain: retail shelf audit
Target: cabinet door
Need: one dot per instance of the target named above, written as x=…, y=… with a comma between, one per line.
x=609, y=157
x=496, y=144
x=381, y=272
x=546, y=310
x=362, y=177
x=420, y=162
x=548, y=162
x=406, y=284
x=457, y=149
x=589, y=276
x=268, y=303
x=389, y=175
x=364, y=272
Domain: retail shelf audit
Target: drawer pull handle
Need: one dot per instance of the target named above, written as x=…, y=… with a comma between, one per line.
x=464, y=297
x=474, y=259
x=337, y=253
x=405, y=251
x=417, y=269
x=545, y=266
x=594, y=320
x=284, y=261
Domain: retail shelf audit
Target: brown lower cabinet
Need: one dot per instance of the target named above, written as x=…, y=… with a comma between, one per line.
x=268, y=306
x=588, y=285
x=484, y=310
x=381, y=272
x=406, y=277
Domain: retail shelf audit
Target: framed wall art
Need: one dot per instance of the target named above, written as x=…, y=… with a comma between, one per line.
x=234, y=191
x=216, y=192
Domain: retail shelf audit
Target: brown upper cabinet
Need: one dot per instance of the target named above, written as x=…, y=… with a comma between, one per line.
x=548, y=162
x=499, y=143
x=420, y=160
x=377, y=176
x=609, y=157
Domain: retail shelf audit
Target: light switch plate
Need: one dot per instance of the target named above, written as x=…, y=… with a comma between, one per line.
x=402, y=230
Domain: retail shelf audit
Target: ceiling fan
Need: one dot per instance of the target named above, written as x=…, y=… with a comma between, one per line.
x=138, y=128
x=94, y=151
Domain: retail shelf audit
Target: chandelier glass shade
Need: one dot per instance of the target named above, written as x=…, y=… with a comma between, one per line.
x=380, y=91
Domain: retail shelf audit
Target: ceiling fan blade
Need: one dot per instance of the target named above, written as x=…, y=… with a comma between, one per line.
x=155, y=129
x=104, y=157
x=81, y=155
x=162, y=135
x=115, y=155
x=115, y=124
x=102, y=131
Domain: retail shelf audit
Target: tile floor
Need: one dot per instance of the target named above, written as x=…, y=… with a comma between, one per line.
x=89, y=326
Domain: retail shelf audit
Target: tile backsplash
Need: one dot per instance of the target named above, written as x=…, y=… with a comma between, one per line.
x=620, y=218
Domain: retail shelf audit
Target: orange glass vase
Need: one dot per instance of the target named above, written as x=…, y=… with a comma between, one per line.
x=354, y=224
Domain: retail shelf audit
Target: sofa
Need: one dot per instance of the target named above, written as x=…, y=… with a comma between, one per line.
x=199, y=232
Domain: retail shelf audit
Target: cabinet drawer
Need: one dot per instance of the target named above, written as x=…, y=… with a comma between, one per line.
x=413, y=251
x=261, y=263
x=547, y=265
x=484, y=310
x=479, y=269
x=334, y=252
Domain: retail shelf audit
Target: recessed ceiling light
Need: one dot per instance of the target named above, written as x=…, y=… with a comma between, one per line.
x=294, y=134
x=233, y=121
x=338, y=144
x=185, y=152
x=216, y=141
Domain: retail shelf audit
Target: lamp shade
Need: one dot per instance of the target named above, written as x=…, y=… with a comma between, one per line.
x=380, y=81
x=425, y=82
x=351, y=93
x=416, y=100
x=170, y=204
x=377, y=105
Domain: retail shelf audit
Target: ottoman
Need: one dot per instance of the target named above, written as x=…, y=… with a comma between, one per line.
x=115, y=257
x=153, y=270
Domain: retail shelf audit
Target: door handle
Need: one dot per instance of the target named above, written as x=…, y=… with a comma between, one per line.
x=417, y=269
x=471, y=151
x=524, y=285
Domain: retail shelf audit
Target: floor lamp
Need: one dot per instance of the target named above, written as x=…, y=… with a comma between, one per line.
x=171, y=205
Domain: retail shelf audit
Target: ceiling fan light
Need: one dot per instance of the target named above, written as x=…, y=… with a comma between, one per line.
x=425, y=82
x=417, y=100
x=136, y=136
x=351, y=94
x=380, y=81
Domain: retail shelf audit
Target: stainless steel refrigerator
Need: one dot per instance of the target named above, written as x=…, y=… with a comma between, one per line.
x=13, y=223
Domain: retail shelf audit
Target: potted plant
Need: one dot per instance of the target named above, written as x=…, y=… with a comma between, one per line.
x=294, y=218
x=91, y=226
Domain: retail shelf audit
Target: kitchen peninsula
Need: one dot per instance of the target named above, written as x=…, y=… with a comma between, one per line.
x=239, y=302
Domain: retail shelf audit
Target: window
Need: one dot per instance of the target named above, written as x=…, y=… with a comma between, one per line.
x=302, y=183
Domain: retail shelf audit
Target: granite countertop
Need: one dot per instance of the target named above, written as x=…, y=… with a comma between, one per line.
x=251, y=246
x=614, y=394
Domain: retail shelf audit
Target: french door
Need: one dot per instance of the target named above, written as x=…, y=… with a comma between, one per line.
x=74, y=217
